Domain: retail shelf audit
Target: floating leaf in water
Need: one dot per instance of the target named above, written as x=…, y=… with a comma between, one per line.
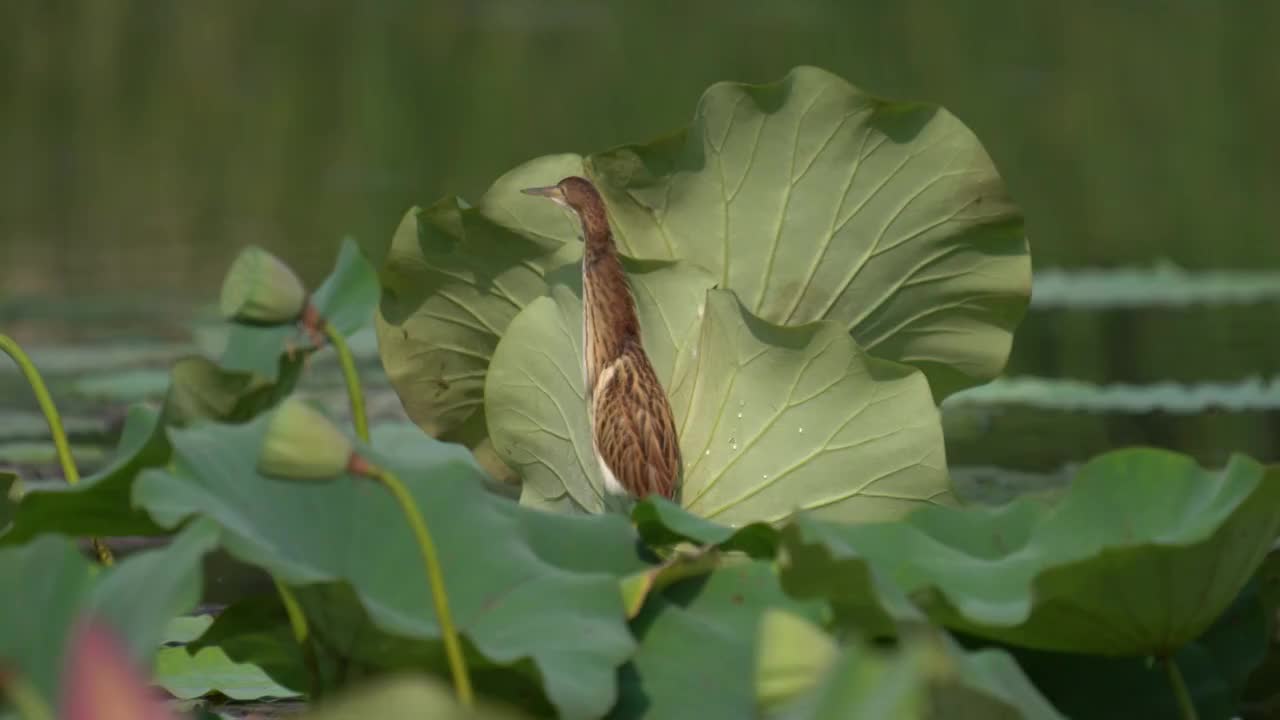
x=187, y=675
x=1250, y=394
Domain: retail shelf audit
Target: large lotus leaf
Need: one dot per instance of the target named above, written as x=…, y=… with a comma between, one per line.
x=1140, y=556
x=771, y=419
x=698, y=641
x=101, y=504
x=812, y=200
x=451, y=282
x=1215, y=667
x=540, y=575
x=49, y=585
x=345, y=299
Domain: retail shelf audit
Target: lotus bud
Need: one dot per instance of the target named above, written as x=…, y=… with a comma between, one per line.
x=260, y=288
x=303, y=444
x=792, y=656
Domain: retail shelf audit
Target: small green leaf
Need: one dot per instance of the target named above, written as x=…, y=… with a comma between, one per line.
x=254, y=631
x=662, y=522
x=186, y=676
x=1140, y=556
x=184, y=629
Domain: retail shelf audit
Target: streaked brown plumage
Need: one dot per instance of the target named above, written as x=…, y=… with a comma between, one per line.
x=632, y=430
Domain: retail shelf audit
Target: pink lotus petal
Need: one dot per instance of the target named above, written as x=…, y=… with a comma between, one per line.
x=100, y=681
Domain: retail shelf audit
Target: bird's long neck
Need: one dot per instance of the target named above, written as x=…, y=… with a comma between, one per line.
x=609, y=310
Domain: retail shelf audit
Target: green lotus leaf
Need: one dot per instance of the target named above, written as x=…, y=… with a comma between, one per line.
x=809, y=198
x=345, y=299
x=928, y=676
x=100, y=504
x=1140, y=556
x=698, y=644
x=1215, y=666
x=451, y=282
x=813, y=200
x=771, y=419
x=49, y=585
x=347, y=551
x=187, y=675
x=662, y=522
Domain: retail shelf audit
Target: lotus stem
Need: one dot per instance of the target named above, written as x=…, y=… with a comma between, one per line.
x=51, y=416
x=1186, y=706
x=23, y=696
x=301, y=634
x=452, y=647
x=352, y=379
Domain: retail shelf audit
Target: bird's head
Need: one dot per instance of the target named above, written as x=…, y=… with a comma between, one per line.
x=573, y=192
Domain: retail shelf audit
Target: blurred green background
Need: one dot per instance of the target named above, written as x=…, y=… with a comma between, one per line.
x=144, y=142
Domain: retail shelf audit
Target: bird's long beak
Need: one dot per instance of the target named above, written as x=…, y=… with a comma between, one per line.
x=551, y=192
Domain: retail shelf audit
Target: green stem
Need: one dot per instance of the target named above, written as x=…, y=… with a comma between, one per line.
x=352, y=379
x=301, y=634
x=453, y=649
x=24, y=698
x=1180, y=692
x=51, y=416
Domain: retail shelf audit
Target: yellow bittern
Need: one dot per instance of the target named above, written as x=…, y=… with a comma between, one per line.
x=633, y=435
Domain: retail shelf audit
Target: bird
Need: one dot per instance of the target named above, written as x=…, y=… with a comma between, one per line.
x=633, y=434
